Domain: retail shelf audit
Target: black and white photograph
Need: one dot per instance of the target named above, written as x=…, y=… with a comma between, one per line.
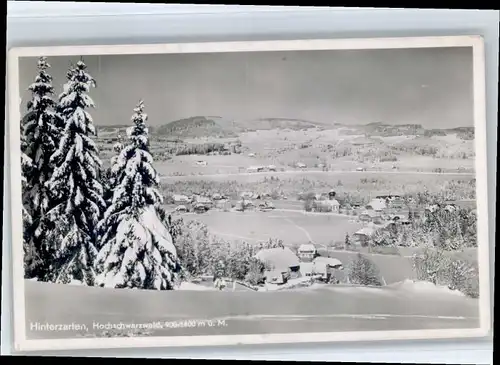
x=249, y=192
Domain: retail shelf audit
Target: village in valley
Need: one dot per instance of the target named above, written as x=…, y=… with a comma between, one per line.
x=303, y=223
x=222, y=205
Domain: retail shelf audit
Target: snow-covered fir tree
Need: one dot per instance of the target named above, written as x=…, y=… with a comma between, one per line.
x=31, y=260
x=38, y=143
x=75, y=184
x=136, y=247
x=60, y=117
x=108, y=180
x=363, y=271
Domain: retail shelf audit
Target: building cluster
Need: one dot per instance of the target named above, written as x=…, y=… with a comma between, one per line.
x=381, y=213
x=198, y=203
x=261, y=168
x=283, y=265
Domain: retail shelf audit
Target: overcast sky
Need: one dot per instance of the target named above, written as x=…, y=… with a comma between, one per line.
x=432, y=87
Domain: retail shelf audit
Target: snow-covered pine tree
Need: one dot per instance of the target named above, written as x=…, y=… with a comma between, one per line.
x=347, y=241
x=39, y=142
x=31, y=261
x=137, y=249
x=109, y=181
x=363, y=271
x=60, y=119
x=75, y=184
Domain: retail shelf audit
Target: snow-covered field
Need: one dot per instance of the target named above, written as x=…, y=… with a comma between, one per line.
x=293, y=227
x=402, y=306
x=285, y=148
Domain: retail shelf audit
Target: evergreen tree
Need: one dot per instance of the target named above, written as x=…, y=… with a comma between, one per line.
x=431, y=265
x=347, y=241
x=411, y=218
x=60, y=118
x=109, y=180
x=75, y=184
x=255, y=272
x=470, y=233
x=38, y=143
x=363, y=271
x=31, y=260
x=137, y=248
x=193, y=248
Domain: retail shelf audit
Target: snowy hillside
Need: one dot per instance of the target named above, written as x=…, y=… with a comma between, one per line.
x=333, y=308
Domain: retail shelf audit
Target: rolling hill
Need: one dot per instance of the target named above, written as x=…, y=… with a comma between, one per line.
x=277, y=123
x=195, y=127
x=215, y=126
x=220, y=127
x=385, y=130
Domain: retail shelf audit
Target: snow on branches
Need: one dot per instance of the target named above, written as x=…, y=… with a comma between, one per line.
x=39, y=138
x=136, y=247
x=75, y=184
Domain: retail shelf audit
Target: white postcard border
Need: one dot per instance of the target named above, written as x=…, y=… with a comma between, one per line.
x=479, y=92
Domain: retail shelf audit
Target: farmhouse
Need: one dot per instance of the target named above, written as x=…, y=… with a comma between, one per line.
x=307, y=252
x=181, y=209
x=356, y=203
x=280, y=259
x=368, y=216
x=325, y=267
x=364, y=236
x=200, y=208
x=266, y=205
x=331, y=262
x=244, y=204
x=223, y=204
x=204, y=201
x=331, y=205
x=180, y=199
x=392, y=201
x=378, y=205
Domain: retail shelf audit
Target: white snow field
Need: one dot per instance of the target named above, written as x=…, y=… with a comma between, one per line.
x=402, y=306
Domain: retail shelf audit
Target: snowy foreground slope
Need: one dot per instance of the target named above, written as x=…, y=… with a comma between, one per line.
x=401, y=306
